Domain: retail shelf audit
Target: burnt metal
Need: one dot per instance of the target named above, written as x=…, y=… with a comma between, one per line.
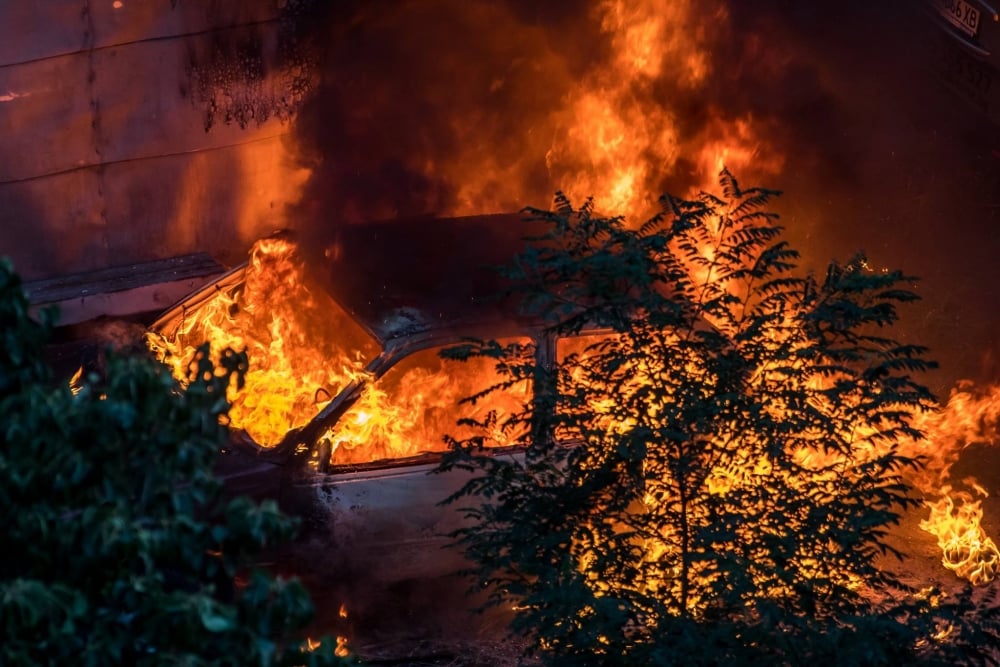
x=403, y=278
x=121, y=278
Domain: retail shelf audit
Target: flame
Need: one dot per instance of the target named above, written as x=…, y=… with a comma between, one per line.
x=76, y=381
x=621, y=101
x=342, y=651
x=615, y=137
x=944, y=630
x=408, y=412
x=737, y=470
x=966, y=548
x=302, y=347
x=612, y=134
x=971, y=415
x=619, y=134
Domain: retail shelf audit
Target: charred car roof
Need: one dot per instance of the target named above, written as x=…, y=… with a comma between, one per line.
x=407, y=277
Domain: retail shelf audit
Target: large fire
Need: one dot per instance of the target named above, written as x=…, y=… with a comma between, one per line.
x=970, y=416
x=613, y=137
x=610, y=135
x=615, y=99
x=303, y=349
x=414, y=407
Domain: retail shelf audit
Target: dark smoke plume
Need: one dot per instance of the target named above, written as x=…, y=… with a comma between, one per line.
x=453, y=107
x=416, y=100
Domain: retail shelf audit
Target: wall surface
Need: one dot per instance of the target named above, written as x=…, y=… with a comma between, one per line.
x=104, y=154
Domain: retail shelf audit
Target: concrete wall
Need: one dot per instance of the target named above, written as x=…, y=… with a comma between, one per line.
x=104, y=155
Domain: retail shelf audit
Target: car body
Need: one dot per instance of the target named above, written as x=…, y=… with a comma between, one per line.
x=414, y=286
x=975, y=24
x=968, y=51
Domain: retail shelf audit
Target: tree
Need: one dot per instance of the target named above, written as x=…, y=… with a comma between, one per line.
x=118, y=548
x=711, y=463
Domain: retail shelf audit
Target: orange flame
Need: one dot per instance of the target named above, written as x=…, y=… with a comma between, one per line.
x=342, y=651
x=966, y=548
x=414, y=405
x=971, y=415
x=76, y=381
x=303, y=349
x=297, y=364
x=616, y=133
x=613, y=138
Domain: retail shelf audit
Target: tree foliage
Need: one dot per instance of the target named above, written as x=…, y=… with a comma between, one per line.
x=710, y=462
x=117, y=547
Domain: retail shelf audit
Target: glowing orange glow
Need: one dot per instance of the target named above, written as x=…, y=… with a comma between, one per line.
x=612, y=138
x=342, y=650
x=741, y=469
x=734, y=144
x=413, y=406
x=302, y=347
x=617, y=130
x=971, y=415
x=293, y=375
x=616, y=137
x=966, y=548
x=76, y=381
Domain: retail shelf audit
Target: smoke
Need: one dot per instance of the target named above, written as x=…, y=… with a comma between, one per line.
x=452, y=107
x=459, y=107
x=419, y=99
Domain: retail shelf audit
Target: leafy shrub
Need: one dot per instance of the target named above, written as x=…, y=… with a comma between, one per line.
x=117, y=548
x=711, y=461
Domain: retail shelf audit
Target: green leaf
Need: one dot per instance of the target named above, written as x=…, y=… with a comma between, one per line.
x=215, y=619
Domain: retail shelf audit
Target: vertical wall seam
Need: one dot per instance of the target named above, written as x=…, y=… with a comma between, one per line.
x=96, y=132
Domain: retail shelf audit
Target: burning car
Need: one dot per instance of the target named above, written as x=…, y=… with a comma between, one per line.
x=343, y=339
x=347, y=390
x=346, y=398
